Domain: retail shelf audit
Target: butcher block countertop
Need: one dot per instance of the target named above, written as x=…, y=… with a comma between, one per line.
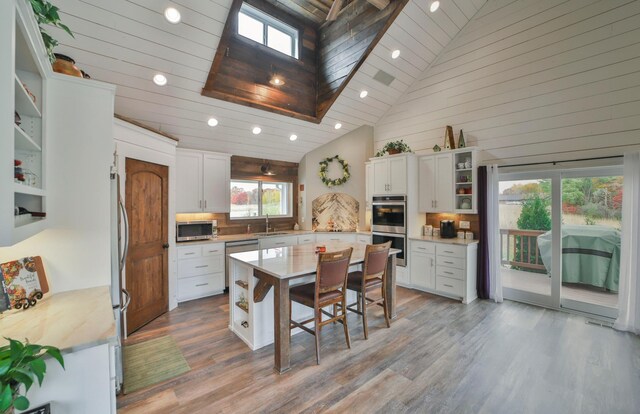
x=70, y=321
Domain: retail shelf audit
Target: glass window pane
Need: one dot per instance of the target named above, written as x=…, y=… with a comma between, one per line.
x=244, y=199
x=279, y=41
x=275, y=199
x=251, y=28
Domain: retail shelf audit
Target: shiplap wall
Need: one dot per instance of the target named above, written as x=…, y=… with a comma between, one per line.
x=529, y=81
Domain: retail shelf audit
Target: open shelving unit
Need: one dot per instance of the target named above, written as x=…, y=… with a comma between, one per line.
x=26, y=82
x=465, y=165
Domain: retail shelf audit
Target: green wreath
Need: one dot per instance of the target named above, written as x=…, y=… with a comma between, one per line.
x=324, y=166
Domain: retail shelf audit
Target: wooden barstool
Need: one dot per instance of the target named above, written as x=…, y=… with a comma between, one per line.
x=329, y=289
x=372, y=276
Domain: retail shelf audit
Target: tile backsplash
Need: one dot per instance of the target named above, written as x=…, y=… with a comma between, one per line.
x=338, y=208
x=473, y=219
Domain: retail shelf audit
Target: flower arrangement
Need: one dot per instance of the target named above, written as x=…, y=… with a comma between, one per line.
x=324, y=166
x=394, y=147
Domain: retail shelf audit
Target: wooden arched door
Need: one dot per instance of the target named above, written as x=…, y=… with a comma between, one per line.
x=146, y=202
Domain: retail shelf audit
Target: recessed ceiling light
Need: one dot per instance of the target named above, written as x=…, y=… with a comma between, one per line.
x=338, y=125
x=159, y=79
x=434, y=6
x=212, y=122
x=172, y=15
x=395, y=54
x=364, y=94
x=256, y=130
x=293, y=137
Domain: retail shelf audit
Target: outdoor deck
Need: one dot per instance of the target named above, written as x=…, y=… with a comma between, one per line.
x=541, y=284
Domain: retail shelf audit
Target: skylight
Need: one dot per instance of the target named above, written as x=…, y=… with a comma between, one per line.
x=260, y=27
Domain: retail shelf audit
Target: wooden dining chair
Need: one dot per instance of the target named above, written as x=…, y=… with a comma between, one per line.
x=372, y=277
x=330, y=288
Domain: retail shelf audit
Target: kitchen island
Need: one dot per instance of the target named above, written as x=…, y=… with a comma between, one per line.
x=259, y=292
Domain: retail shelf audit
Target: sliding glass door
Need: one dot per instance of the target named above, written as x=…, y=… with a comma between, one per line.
x=560, y=235
x=591, y=238
x=527, y=218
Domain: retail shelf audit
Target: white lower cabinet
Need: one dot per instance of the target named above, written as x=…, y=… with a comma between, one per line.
x=306, y=239
x=273, y=241
x=443, y=268
x=335, y=237
x=363, y=238
x=201, y=270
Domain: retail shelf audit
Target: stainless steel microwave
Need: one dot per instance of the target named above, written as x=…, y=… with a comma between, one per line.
x=196, y=230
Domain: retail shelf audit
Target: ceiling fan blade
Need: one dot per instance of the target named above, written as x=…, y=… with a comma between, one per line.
x=335, y=9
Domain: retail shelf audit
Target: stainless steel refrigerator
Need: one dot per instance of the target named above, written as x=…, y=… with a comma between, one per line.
x=119, y=246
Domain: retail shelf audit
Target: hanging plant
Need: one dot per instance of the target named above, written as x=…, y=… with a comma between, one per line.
x=47, y=13
x=324, y=166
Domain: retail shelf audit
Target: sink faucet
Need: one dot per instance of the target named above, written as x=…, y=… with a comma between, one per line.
x=267, y=224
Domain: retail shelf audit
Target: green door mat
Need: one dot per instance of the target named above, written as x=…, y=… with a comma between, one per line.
x=151, y=362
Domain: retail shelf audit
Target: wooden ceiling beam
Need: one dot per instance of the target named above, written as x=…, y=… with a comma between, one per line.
x=379, y=4
x=335, y=10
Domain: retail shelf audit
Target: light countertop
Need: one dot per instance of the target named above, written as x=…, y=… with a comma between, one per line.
x=70, y=320
x=462, y=242
x=292, y=261
x=253, y=236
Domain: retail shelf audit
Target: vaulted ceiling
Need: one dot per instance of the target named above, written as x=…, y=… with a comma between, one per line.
x=126, y=42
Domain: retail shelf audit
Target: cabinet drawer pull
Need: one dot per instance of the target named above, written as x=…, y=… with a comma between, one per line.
x=449, y=273
x=280, y=243
x=201, y=266
x=205, y=284
x=447, y=262
x=189, y=254
x=213, y=251
x=448, y=251
x=449, y=286
x=422, y=248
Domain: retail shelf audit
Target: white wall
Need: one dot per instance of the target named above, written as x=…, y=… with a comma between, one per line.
x=76, y=248
x=134, y=142
x=529, y=81
x=355, y=147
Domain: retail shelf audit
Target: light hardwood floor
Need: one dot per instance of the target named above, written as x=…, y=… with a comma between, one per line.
x=439, y=356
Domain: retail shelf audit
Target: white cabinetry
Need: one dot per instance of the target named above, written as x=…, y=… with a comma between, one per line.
x=23, y=74
x=368, y=168
x=363, y=238
x=389, y=175
x=202, y=182
x=275, y=241
x=423, y=260
x=444, y=269
x=435, y=175
x=335, y=237
x=465, y=163
x=201, y=270
x=306, y=239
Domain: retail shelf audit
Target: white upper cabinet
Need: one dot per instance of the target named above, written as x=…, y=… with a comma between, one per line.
x=216, y=192
x=435, y=175
x=389, y=175
x=447, y=182
x=189, y=182
x=202, y=182
x=369, y=184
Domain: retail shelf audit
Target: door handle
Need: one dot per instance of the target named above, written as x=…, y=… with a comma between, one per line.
x=125, y=250
x=165, y=246
x=127, y=300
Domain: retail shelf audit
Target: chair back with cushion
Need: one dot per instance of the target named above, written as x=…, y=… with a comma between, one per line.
x=332, y=270
x=375, y=261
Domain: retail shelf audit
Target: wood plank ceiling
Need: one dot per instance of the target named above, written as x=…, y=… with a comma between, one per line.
x=126, y=42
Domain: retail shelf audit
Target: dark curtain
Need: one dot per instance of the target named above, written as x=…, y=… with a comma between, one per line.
x=483, y=247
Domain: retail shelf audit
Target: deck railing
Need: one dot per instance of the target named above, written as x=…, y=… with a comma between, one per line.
x=519, y=248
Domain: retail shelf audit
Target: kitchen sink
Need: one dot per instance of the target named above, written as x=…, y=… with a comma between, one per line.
x=273, y=233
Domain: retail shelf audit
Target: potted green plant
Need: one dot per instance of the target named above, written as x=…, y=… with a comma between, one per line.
x=394, y=147
x=20, y=364
x=47, y=14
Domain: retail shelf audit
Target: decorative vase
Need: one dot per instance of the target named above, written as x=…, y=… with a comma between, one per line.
x=66, y=65
x=393, y=151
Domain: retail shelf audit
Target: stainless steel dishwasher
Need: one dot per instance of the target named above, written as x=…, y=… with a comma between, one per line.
x=237, y=247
